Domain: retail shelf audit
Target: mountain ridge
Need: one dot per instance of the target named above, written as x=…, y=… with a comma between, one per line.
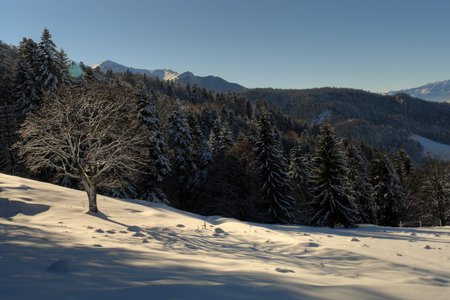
x=210, y=82
x=438, y=91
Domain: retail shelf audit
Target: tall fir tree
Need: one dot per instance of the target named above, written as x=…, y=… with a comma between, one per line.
x=225, y=138
x=300, y=173
x=49, y=72
x=274, y=188
x=26, y=89
x=435, y=192
x=160, y=164
x=388, y=193
x=215, y=136
x=180, y=144
x=333, y=201
x=360, y=183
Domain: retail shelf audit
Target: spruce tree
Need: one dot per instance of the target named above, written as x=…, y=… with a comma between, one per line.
x=274, y=187
x=180, y=144
x=225, y=138
x=26, y=90
x=48, y=65
x=360, y=184
x=160, y=165
x=333, y=198
x=387, y=190
x=435, y=192
x=215, y=137
x=300, y=173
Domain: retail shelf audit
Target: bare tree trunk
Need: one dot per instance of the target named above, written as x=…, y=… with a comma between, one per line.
x=92, y=196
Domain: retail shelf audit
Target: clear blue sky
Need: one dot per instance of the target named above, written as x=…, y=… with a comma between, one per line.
x=375, y=45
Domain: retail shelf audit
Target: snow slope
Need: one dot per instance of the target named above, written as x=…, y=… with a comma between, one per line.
x=432, y=148
x=50, y=248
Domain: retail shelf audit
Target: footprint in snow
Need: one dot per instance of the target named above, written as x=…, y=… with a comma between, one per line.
x=90, y=227
x=145, y=241
x=354, y=239
x=312, y=244
x=134, y=228
x=283, y=270
x=99, y=231
x=97, y=245
x=138, y=234
x=219, y=232
x=428, y=247
x=180, y=225
x=123, y=231
x=111, y=231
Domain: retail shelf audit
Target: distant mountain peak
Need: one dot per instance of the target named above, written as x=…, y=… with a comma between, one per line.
x=436, y=91
x=209, y=82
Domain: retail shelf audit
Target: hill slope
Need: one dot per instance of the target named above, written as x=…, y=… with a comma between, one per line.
x=380, y=120
x=139, y=250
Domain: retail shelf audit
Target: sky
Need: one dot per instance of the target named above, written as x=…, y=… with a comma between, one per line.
x=376, y=45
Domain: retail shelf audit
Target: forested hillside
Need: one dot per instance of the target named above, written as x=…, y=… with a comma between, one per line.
x=265, y=155
x=383, y=121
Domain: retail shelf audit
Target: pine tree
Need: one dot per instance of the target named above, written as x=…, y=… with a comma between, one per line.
x=360, y=183
x=300, y=173
x=387, y=191
x=225, y=138
x=275, y=189
x=180, y=143
x=435, y=192
x=333, y=200
x=64, y=62
x=214, y=137
x=26, y=91
x=160, y=167
x=48, y=65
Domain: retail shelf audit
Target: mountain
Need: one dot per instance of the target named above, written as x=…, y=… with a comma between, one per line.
x=436, y=91
x=214, y=83
x=52, y=249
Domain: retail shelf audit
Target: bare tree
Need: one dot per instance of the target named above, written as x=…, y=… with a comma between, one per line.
x=90, y=132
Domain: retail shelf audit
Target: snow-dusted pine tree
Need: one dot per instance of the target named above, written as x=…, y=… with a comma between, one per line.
x=180, y=144
x=275, y=190
x=225, y=138
x=214, y=137
x=387, y=190
x=333, y=200
x=48, y=65
x=360, y=184
x=300, y=173
x=25, y=90
x=435, y=192
x=160, y=165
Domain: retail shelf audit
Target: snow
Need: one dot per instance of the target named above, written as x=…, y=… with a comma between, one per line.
x=432, y=148
x=50, y=248
x=322, y=117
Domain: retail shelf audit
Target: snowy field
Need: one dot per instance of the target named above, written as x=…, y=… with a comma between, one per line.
x=432, y=148
x=50, y=248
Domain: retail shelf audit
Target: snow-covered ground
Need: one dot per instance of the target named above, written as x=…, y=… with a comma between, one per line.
x=432, y=148
x=50, y=248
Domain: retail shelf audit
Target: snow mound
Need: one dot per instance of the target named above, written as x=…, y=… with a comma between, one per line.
x=62, y=266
